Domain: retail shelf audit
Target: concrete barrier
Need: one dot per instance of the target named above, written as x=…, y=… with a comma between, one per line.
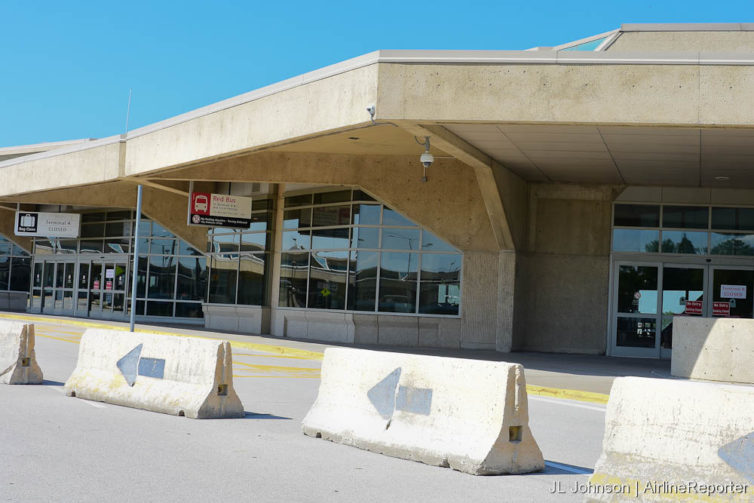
x=161, y=373
x=671, y=439
x=469, y=415
x=715, y=349
x=18, y=362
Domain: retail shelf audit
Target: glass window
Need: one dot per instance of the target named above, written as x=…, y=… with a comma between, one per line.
x=586, y=46
x=4, y=272
x=92, y=230
x=161, y=281
x=734, y=219
x=114, y=245
x=119, y=215
x=20, y=274
x=391, y=217
x=293, y=201
x=225, y=242
x=365, y=237
x=366, y=214
x=159, y=309
x=398, y=282
x=254, y=242
x=296, y=240
x=636, y=215
x=223, y=277
x=694, y=243
x=685, y=217
x=637, y=289
x=295, y=219
x=188, y=310
x=431, y=242
x=93, y=217
x=327, y=280
x=293, y=275
x=251, y=283
x=440, y=289
x=192, y=278
x=163, y=247
x=159, y=231
x=332, y=197
x=329, y=216
x=362, y=281
x=260, y=221
x=91, y=246
x=400, y=239
x=44, y=246
x=636, y=240
x=324, y=239
x=117, y=229
x=141, y=278
x=68, y=246
x=5, y=247
x=359, y=195
x=637, y=332
x=727, y=243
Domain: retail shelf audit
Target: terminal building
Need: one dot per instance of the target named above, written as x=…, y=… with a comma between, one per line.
x=578, y=198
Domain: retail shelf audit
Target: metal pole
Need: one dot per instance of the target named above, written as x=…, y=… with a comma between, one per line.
x=135, y=271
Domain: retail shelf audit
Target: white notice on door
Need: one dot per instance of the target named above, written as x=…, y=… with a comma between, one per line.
x=109, y=273
x=733, y=291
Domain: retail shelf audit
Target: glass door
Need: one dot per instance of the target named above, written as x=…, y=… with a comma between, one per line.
x=95, y=289
x=731, y=295
x=683, y=288
x=82, y=292
x=48, y=284
x=113, y=289
x=635, y=304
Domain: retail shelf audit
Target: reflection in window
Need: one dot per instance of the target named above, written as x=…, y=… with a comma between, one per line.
x=636, y=215
x=726, y=243
x=161, y=277
x=358, y=249
x=362, y=281
x=294, y=268
x=637, y=289
x=685, y=217
x=251, y=279
x=327, y=280
x=192, y=278
x=636, y=240
x=734, y=219
x=440, y=289
x=398, y=282
x=223, y=276
x=637, y=332
x=694, y=243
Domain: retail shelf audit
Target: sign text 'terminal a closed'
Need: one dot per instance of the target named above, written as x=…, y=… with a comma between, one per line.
x=53, y=225
x=219, y=210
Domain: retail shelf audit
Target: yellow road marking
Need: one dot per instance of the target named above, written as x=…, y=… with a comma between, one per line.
x=277, y=368
x=287, y=352
x=58, y=338
x=568, y=394
x=279, y=376
x=53, y=331
x=265, y=348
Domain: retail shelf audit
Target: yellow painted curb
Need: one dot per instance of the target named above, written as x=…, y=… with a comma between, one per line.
x=265, y=348
x=567, y=394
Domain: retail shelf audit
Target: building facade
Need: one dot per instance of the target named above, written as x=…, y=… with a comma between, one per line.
x=580, y=197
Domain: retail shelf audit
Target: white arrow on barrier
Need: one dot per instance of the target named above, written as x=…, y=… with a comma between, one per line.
x=387, y=397
x=133, y=364
x=739, y=454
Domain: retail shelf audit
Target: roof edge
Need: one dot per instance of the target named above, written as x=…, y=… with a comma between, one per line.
x=638, y=27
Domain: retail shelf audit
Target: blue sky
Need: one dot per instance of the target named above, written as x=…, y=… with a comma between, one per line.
x=68, y=66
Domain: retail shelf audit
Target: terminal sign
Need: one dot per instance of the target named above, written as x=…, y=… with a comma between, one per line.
x=219, y=210
x=733, y=291
x=51, y=225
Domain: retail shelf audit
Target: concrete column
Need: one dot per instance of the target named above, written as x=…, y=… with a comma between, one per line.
x=276, y=237
x=506, y=282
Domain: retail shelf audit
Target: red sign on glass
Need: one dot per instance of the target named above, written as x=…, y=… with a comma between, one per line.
x=693, y=307
x=108, y=285
x=721, y=309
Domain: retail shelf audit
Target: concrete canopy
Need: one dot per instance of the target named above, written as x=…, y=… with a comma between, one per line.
x=610, y=117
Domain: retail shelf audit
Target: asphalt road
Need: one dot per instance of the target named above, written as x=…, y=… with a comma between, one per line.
x=55, y=448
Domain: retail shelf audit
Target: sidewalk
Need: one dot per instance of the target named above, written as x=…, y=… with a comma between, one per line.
x=582, y=374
